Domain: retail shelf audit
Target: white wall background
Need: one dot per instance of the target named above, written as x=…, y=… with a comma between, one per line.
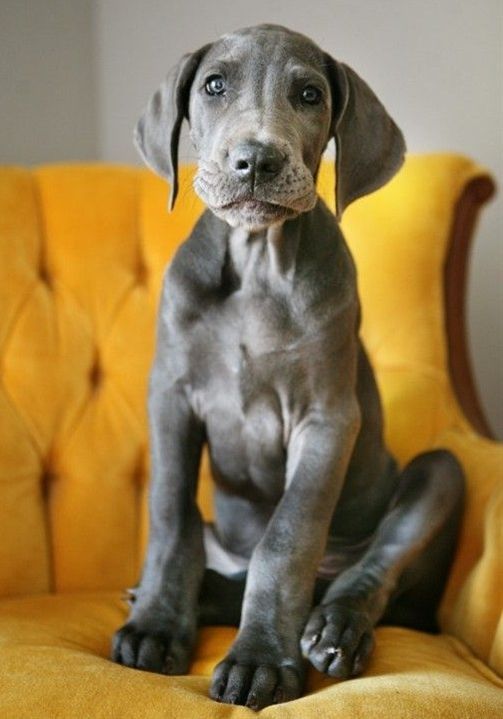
x=75, y=74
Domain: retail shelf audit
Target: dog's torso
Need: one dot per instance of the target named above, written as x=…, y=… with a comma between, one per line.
x=258, y=346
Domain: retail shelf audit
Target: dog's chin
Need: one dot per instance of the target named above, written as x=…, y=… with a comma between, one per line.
x=253, y=215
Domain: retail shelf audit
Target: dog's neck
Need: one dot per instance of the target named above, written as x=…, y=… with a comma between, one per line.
x=268, y=255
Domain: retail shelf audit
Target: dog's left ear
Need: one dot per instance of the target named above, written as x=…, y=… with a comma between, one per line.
x=157, y=132
x=370, y=148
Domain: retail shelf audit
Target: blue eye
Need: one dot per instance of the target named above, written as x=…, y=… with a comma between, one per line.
x=215, y=85
x=311, y=95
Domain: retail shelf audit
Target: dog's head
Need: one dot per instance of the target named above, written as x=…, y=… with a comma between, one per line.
x=262, y=104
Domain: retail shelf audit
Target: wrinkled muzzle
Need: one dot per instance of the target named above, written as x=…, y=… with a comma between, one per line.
x=256, y=183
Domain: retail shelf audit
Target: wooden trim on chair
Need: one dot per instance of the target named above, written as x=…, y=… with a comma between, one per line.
x=476, y=193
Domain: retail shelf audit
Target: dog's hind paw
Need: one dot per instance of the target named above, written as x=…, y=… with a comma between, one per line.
x=337, y=640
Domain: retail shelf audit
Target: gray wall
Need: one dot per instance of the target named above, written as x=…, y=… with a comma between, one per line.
x=436, y=64
x=48, y=108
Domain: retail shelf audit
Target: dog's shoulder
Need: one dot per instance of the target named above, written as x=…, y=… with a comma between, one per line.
x=197, y=264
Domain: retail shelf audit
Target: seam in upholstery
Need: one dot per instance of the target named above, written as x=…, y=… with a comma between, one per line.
x=118, y=308
x=464, y=652
x=31, y=430
x=34, y=439
x=141, y=476
x=128, y=291
x=58, y=285
x=42, y=233
x=16, y=313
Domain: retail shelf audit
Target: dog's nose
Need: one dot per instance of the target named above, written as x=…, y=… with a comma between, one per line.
x=256, y=160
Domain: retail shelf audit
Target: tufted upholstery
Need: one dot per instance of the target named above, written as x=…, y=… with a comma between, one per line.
x=82, y=254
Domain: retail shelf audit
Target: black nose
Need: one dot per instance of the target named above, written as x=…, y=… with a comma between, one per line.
x=256, y=161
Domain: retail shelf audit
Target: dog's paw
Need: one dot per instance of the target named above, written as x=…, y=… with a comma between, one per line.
x=154, y=650
x=337, y=640
x=256, y=679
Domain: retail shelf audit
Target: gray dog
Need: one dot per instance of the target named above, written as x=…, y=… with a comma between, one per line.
x=318, y=535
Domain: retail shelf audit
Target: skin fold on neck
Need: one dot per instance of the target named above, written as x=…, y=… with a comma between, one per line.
x=269, y=255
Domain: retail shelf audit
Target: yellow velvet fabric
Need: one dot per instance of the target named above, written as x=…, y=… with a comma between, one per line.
x=82, y=253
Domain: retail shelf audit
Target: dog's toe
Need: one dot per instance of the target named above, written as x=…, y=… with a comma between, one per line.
x=338, y=641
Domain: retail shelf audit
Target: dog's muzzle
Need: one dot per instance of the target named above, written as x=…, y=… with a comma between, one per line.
x=259, y=185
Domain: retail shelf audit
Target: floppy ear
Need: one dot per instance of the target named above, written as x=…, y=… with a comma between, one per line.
x=370, y=148
x=157, y=132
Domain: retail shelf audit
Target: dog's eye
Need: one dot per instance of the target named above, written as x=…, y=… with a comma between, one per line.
x=311, y=95
x=215, y=85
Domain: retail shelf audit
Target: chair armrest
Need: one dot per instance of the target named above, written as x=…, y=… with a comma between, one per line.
x=475, y=194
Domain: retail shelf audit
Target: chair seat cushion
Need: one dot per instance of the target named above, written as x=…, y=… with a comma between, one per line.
x=53, y=663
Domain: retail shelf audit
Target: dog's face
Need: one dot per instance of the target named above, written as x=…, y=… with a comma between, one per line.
x=262, y=104
x=260, y=112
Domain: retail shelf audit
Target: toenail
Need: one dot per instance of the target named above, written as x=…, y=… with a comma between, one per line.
x=336, y=651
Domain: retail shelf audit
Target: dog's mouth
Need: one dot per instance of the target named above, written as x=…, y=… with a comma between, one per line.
x=250, y=206
x=250, y=203
x=256, y=207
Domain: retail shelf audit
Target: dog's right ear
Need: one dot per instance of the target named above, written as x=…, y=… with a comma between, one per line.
x=157, y=132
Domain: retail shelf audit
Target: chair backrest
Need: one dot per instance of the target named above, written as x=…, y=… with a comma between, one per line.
x=82, y=253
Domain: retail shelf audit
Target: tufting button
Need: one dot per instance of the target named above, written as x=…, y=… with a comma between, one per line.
x=46, y=480
x=96, y=374
x=45, y=276
x=141, y=273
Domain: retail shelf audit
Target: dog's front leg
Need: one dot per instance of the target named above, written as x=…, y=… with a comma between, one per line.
x=160, y=632
x=265, y=665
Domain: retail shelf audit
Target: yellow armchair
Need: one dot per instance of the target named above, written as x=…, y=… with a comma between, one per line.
x=82, y=253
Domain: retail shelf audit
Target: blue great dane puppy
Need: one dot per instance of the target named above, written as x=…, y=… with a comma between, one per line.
x=318, y=535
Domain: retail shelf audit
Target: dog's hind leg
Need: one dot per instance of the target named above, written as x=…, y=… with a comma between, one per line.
x=401, y=576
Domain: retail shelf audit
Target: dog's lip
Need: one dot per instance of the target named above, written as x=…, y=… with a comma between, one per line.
x=252, y=203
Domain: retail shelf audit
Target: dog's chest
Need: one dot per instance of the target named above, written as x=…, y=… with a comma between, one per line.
x=243, y=363
x=250, y=349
